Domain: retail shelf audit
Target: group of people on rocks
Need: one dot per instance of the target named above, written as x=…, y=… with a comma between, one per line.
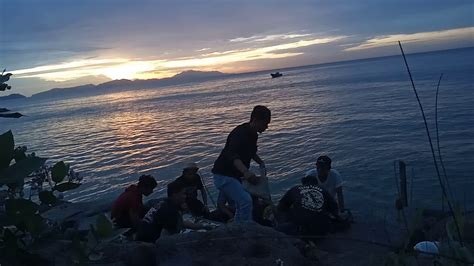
x=309, y=208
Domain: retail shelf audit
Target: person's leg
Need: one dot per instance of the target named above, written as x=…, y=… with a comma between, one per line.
x=242, y=199
x=233, y=189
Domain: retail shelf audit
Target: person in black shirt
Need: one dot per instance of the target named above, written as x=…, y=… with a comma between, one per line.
x=308, y=208
x=192, y=181
x=233, y=162
x=166, y=215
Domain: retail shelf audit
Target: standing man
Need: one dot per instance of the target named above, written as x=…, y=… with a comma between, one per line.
x=233, y=163
x=329, y=179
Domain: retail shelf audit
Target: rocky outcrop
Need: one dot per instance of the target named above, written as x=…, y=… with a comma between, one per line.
x=249, y=244
x=368, y=242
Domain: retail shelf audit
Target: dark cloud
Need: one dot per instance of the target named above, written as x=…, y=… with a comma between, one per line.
x=165, y=24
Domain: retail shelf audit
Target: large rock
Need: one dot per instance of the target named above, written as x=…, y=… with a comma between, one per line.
x=81, y=214
x=368, y=242
x=249, y=244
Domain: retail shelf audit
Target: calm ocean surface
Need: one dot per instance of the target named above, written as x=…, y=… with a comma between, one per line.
x=363, y=114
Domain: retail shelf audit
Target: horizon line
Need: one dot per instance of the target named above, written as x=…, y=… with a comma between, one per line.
x=253, y=72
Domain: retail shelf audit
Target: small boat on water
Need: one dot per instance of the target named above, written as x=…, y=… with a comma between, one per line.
x=276, y=75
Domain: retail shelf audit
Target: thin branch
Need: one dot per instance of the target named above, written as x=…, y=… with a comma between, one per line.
x=432, y=148
x=437, y=139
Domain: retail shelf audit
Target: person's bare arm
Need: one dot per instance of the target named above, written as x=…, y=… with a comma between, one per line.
x=240, y=166
x=258, y=160
x=204, y=196
x=248, y=175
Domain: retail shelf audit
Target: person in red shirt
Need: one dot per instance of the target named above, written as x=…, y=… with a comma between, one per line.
x=128, y=209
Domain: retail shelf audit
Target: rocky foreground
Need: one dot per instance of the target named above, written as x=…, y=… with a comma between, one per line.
x=249, y=244
x=366, y=243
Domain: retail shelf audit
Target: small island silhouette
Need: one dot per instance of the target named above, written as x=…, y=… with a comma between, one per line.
x=126, y=84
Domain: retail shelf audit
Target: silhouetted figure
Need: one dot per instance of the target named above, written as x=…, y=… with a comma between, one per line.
x=128, y=209
x=166, y=215
x=308, y=209
x=233, y=163
x=328, y=179
x=192, y=181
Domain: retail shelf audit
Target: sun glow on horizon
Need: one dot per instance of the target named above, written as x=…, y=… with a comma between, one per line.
x=129, y=70
x=243, y=49
x=122, y=68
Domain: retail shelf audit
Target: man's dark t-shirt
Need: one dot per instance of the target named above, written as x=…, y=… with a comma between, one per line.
x=164, y=216
x=191, y=185
x=307, y=203
x=241, y=144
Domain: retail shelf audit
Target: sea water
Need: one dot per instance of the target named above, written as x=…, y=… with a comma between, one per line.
x=363, y=114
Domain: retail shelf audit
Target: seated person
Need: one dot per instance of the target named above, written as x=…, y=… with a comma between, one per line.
x=166, y=215
x=308, y=208
x=191, y=179
x=329, y=179
x=225, y=210
x=128, y=209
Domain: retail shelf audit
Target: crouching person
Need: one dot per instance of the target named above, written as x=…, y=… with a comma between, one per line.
x=128, y=209
x=308, y=208
x=192, y=180
x=167, y=215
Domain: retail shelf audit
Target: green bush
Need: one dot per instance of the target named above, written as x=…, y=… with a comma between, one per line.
x=3, y=87
x=23, y=224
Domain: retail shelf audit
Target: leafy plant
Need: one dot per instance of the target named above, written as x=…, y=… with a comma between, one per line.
x=4, y=86
x=24, y=224
x=89, y=248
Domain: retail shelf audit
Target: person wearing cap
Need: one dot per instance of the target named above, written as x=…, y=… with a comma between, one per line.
x=191, y=180
x=233, y=162
x=329, y=179
x=128, y=209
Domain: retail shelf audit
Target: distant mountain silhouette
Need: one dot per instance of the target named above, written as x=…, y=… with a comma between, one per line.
x=12, y=96
x=125, y=84
x=67, y=92
x=192, y=75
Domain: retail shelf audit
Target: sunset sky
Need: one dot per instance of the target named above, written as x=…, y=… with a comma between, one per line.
x=48, y=44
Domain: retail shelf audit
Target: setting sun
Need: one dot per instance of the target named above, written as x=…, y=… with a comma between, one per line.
x=129, y=70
